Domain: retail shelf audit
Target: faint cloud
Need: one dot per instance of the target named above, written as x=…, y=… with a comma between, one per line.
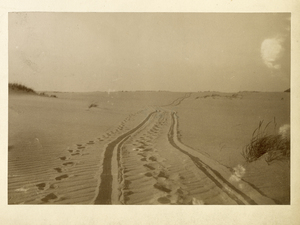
x=271, y=51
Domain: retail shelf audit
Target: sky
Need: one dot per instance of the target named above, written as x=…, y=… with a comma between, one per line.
x=82, y=52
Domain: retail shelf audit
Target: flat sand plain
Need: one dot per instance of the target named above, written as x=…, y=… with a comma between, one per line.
x=143, y=148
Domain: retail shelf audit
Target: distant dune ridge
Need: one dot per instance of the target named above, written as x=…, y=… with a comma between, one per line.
x=16, y=87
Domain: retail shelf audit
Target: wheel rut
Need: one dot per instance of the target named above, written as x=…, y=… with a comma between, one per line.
x=105, y=188
x=149, y=165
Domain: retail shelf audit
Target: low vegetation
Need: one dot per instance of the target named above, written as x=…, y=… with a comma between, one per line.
x=20, y=87
x=273, y=146
x=216, y=96
x=92, y=105
x=43, y=94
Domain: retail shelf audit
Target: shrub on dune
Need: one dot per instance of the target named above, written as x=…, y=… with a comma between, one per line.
x=20, y=87
x=273, y=146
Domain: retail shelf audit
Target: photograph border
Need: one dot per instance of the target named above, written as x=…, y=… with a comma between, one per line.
x=78, y=214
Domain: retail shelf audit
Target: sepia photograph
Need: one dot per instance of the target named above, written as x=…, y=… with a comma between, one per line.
x=129, y=108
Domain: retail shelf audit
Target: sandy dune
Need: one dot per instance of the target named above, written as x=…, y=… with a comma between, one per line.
x=219, y=125
x=142, y=148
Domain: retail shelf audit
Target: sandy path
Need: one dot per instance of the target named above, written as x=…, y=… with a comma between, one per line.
x=149, y=165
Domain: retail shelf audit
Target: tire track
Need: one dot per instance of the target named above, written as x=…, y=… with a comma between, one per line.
x=151, y=171
x=105, y=188
x=215, y=173
x=155, y=172
x=177, y=101
x=154, y=167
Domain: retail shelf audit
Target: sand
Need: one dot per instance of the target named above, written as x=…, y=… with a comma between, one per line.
x=143, y=148
x=220, y=125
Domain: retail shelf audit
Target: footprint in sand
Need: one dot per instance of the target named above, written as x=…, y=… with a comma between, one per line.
x=48, y=197
x=75, y=154
x=142, y=154
x=148, y=174
x=149, y=167
x=59, y=170
x=152, y=158
x=63, y=158
x=41, y=186
x=163, y=174
x=127, y=194
x=91, y=143
x=164, y=200
x=68, y=164
x=53, y=186
x=70, y=150
x=162, y=188
x=141, y=147
x=62, y=177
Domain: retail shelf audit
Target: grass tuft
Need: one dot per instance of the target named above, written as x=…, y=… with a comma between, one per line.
x=273, y=146
x=93, y=105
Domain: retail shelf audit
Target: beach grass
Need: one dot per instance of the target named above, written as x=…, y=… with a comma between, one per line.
x=273, y=146
x=20, y=87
